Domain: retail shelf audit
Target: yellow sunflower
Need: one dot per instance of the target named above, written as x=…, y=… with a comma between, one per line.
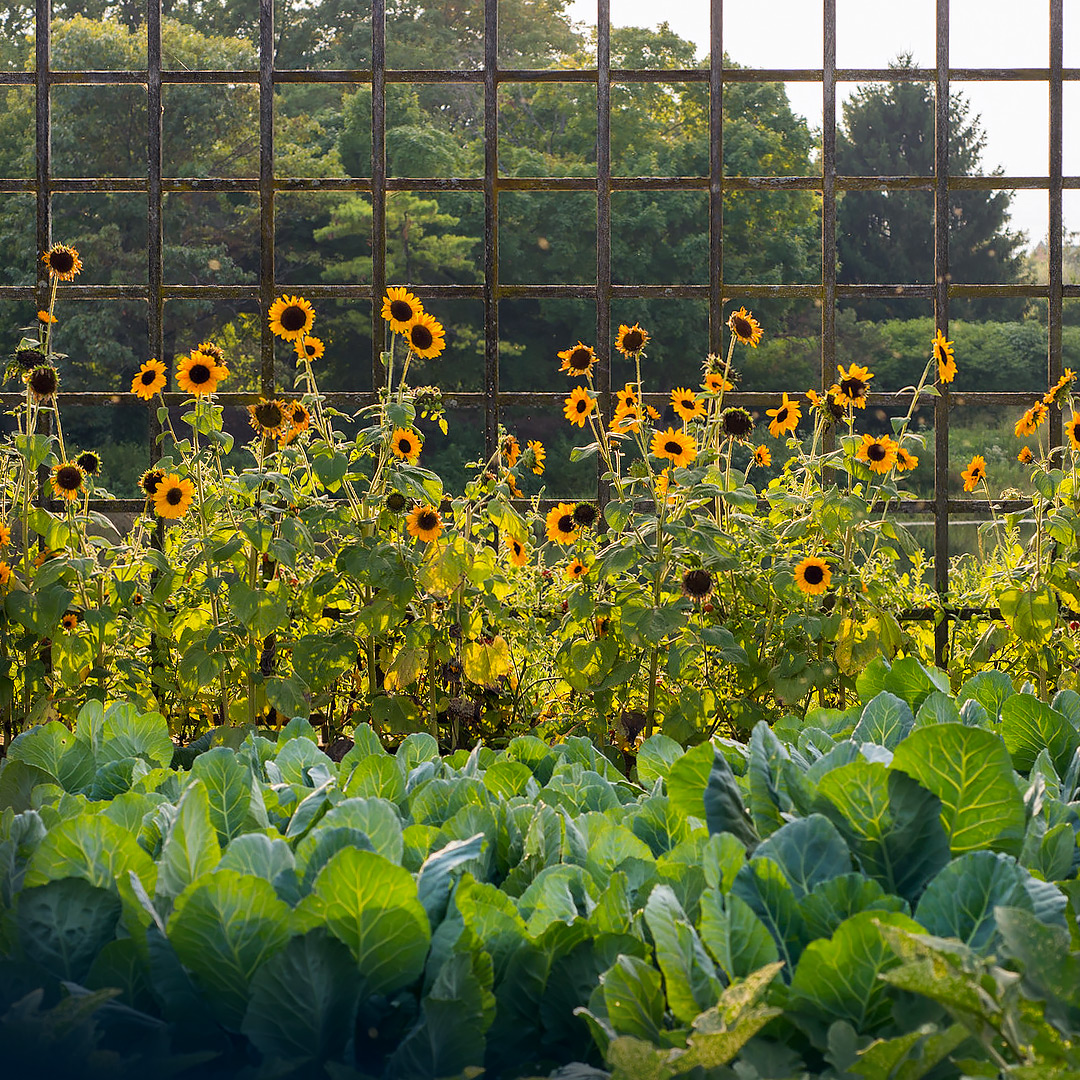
x=626, y=398
x=291, y=317
x=975, y=473
x=625, y=421
x=518, y=555
x=511, y=450
x=1072, y=429
x=631, y=339
x=67, y=481
x=879, y=452
x=539, y=454
x=150, y=379
x=70, y=620
x=678, y=447
x=1062, y=387
x=1025, y=457
x=299, y=420
x=46, y=318
x=5, y=535
x=762, y=456
x=715, y=383
x=687, y=404
x=785, y=418
x=268, y=417
x=575, y=570
x=199, y=374
x=813, y=575
x=310, y=348
x=399, y=308
x=943, y=354
x=1031, y=421
x=560, y=525
x=406, y=445
x=173, y=496
x=578, y=406
x=149, y=481
x=425, y=336
x=577, y=360
x=745, y=328
x=424, y=523
x=905, y=460
x=5, y=573
x=853, y=385
x=63, y=262
x=215, y=352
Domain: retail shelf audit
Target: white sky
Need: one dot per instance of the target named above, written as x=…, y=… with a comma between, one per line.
x=870, y=33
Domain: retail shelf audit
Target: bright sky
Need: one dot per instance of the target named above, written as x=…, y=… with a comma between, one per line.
x=870, y=33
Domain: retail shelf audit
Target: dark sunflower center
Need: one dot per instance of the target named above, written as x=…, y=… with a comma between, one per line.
x=61, y=261
x=814, y=574
x=633, y=341
x=672, y=447
x=517, y=548
x=395, y=501
x=401, y=310
x=580, y=359
x=581, y=405
x=43, y=381
x=875, y=452
x=298, y=416
x=198, y=374
x=421, y=337
x=742, y=327
x=854, y=388
x=405, y=446
x=738, y=423
x=150, y=482
x=782, y=415
x=427, y=520
x=697, y=582
x=69, y=477
x=294, y=318
x=90, y=463
x=687, y=403
x=1075, y=431
x=268, y=414
x=584, y=514
x=174, y=496
x=566, y=523
x=148, y=377
x=577, y=568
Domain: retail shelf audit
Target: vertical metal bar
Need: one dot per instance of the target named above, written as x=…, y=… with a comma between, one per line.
x=941, y=321
x=1055, y=238
x=603, y=223
x=716, y=176
x=828, y=198
x=491, y=227
x=267, y=274
x=378, y=188
x=155, y=268
x=43, y=175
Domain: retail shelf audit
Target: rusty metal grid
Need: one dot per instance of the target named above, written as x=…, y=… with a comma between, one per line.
x=491, y=291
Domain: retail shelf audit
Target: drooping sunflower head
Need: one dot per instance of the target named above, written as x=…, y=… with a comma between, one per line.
x=399, y=308
x=215, y=352
x=943, y=354
x=149, y=481
x=406, y=444
x=173, y=496
x=853, y=385
x=395, y=502
x=310, y=348
x=813, y=575
x=1025, y=456
x=1061, y=389
x=1072, y=429
x=5, y=535
x=827, y=405
x=577, y=360
x=516, y=547
x=149, y=380
x=5, y=573
x=687, y=405
x=631, y=339
x=45, y=318
x=575, y=570
x=1031, y=421
x=905, y=460
x=89, y=462
x=297, y=419
x=579, y=406
x=291, y=317
x=62, y=261
x=28, y=359
x=744, y=328
x=736, y=423
x=424, y=523
x=585, y=514
x=675, y=446
x=67, y=481
x=199, y=374
x=975, y=473
x=43, y=383
x=697, y=583
x=510, y=449
x=538, y=456
x=425, y=336
x=560, y=524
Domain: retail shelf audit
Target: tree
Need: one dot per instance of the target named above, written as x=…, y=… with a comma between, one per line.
x=887, y=237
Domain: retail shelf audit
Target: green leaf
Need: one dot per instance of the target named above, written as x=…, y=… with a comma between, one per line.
x=377, y=818
x=908, y=679
x=885, y=721
x=1028, y=725
x=258, y=609
x=127, y=733
x=1043, y=952
x=937, y=708
x=287, y=696
x=191, y=848
x=838, y=899
x=59, y=752
x=969, y=770
x=809, y=851
x=762, y=885
x=320, y=660
x=767, y=754
x=303, y=1000
x=63, y=925
x=724, y=809
x=228, y=789
x=736, y=937
x=910, y=1056
x=1030, y=613
x=371, y=905
x=584, y=664
x=633, y=998
x=258, y=855
x=991, y=689
x=687, y=779
x=320, y=846
x=17, y=782
x=377, y=776
x=434, y=881
x=223, y=927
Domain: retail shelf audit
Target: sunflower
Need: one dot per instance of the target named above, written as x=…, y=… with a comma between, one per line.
x=43, y=383
x=268, y=417
x=625, y=421
x=63, y=262
x=736, y=423
x=215, y=352
x=399, y=308
x=291, y=317
x=1072, y=429
x=149, y=481
x=511, y=450
x=395, y=502
x=762, y=456
x=905, y=460
x=785, y=418
x=663, y=483
x=70, y=620
x=560, y=525
x=518, y=555
x=5, y=573
x=539, y=453
x=813, y=575
x=579, y=406
x=298, y=417
x=425, y=336
x=575, y=570
x=1031, y=421
x=678, y=447
x=424, y=523
x=975, y=473
x=715, y=383
x=853, y=385
x=1025, y=456
x=5, y=535
x=89, y=462
x=828, y=406
x=943, y=354
x=626, y=398
x=512, y=484
x=150, y=379
x=67, y=481
x=687, y=404
x=173, y=496
x=745, y=327
x=44, y=317
x=577, y=360
x=697, y=584
x=310, y=348
x=878, y=453
x=199, y=374
x=406, y=445
x=631, y=339
x=1062, y=387
x=585, y=514
x=27, y=359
